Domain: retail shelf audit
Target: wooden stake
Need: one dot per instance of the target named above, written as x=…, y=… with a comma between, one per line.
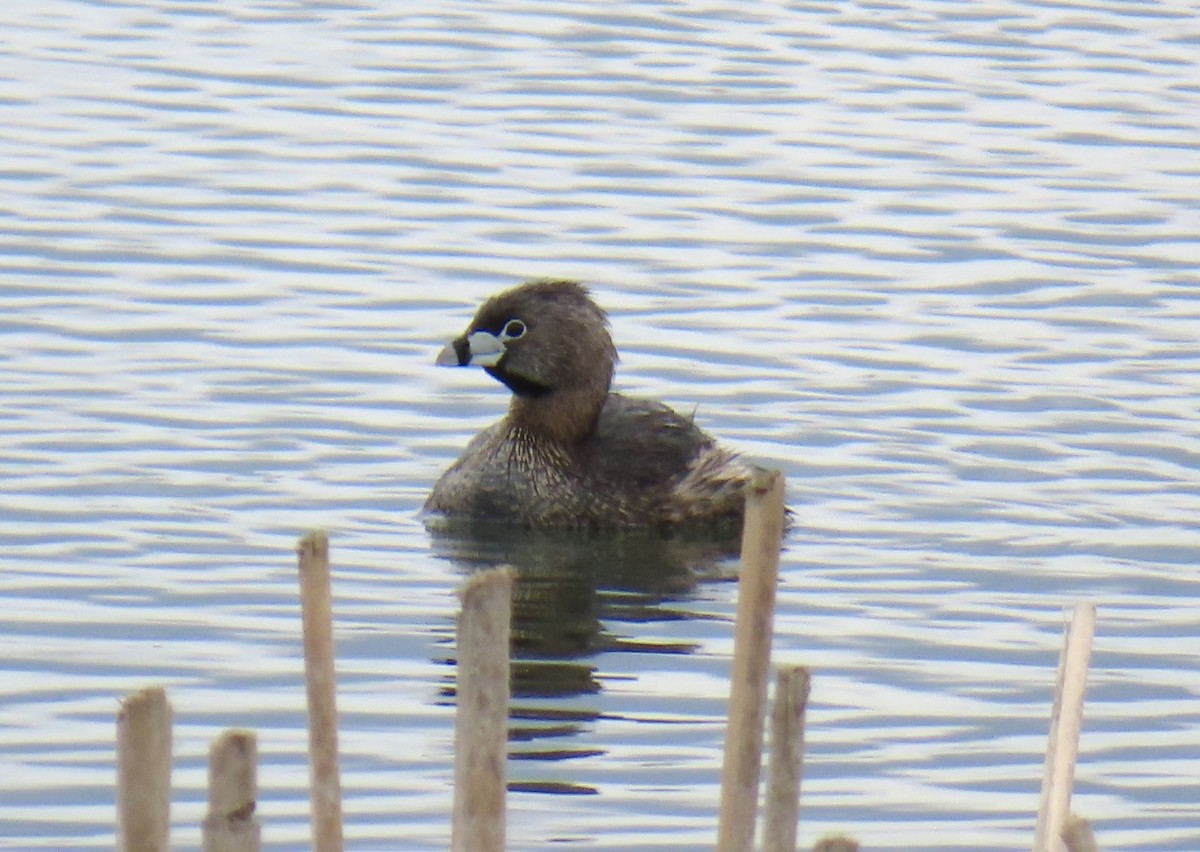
x=762, y=536
x=1040, y=838
x=481, y=715
x=1078, y=835
x=232, y=794
x=1065, y=721
x=839, y=843
x=784, y=769
x=144, y=772
x=317, y=612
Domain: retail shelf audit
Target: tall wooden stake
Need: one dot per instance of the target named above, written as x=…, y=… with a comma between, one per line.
x=144, y=772
x=481, y=714
x=762, y=537
x=317, y=612
x=786, y=762
x=1065, y=721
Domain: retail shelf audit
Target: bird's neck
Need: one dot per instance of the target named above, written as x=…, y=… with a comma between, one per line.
x=562, y=417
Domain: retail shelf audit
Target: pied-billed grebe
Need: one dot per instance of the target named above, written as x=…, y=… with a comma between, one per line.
x=570, y=453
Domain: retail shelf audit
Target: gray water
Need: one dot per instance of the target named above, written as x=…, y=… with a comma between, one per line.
x=938, y=262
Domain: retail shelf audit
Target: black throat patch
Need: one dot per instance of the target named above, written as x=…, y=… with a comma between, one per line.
x=518, y=385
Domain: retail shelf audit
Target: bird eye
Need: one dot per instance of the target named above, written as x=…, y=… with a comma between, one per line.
x=514, y=329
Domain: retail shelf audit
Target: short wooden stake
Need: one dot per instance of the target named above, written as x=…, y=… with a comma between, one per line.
x=317, y=613
x=762, y=537
x=786, y=763
x=481, y=715
x=230, y=825
x=1066, y=718
x=1078, y=836
x=838, y=843
x=144, y=772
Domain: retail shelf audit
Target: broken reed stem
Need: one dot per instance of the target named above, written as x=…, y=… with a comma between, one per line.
x=481, y=714
x=144, y=772
x=1078, y=836
x=786, y=763
x=317, y=613
x=1065, y=721
x=838, y=843
x=230, y=825
x=762, y=536
x=1048, y=766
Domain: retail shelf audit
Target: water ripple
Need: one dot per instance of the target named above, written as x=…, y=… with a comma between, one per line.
x=939, y=264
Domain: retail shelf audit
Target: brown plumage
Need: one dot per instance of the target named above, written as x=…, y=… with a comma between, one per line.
x=571, y=453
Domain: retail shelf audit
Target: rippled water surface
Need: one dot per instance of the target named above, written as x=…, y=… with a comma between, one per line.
x=937, y=261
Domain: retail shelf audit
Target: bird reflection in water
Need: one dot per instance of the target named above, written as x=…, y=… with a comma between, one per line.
x=572, y=589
